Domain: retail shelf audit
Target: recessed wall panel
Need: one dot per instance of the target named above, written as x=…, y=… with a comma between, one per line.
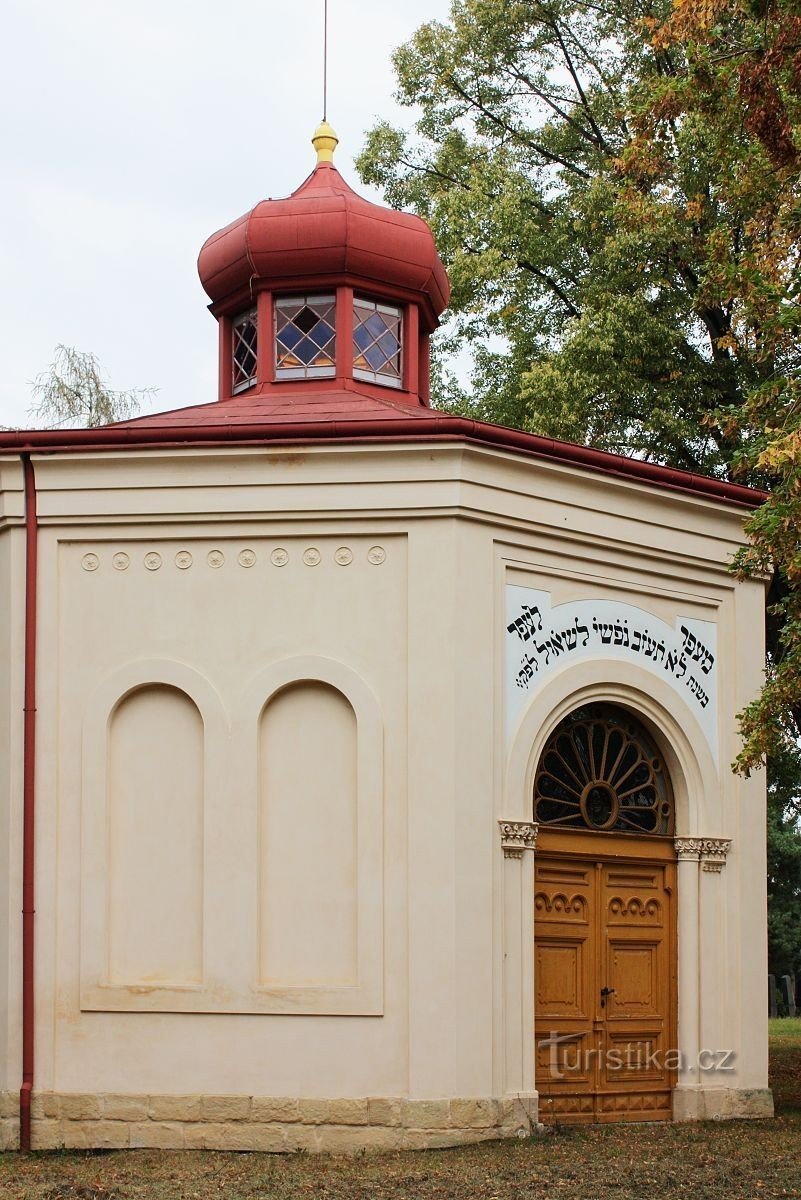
x=308, y=879
x=155, y=825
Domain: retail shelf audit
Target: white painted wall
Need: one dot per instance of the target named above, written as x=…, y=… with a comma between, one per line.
x=273, y=753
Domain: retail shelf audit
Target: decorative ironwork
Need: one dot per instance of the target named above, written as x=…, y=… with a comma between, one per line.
x=602, y=770
x=377, y=342
x=305, y=337
x=245, y=351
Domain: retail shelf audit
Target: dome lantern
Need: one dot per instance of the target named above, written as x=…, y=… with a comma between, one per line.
x=324, y=289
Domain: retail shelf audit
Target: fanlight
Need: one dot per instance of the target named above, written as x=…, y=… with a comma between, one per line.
x=602, y=770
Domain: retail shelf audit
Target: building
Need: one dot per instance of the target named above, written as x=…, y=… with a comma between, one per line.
x=373, y=786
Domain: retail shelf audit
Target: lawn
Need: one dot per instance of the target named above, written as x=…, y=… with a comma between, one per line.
x=738, y=1160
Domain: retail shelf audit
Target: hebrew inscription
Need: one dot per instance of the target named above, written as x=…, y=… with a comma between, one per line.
x=539, y=639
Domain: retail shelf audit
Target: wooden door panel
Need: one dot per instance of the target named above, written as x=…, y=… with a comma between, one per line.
x=566, y=1062
x=633, y=974
x=564, y=981
x=604, y=925
x=634, y=1058
x=633, y=1106
x=561, y=974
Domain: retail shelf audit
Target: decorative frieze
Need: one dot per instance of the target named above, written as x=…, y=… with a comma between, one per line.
x=517, y=836
x=311, y=556
x=710, y=852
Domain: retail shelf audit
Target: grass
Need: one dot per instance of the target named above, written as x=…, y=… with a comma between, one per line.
x=785, y=1066
x=735, y=1160
x=785, y=1027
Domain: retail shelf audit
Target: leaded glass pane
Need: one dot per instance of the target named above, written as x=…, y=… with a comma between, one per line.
x=305, y=337
x=245, y=351
x=377, y=342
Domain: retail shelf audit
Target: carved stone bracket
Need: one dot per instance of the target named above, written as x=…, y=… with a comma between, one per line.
x=517, y=836
x=711, y=852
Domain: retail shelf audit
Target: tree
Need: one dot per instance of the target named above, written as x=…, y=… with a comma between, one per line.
x=784, y=864
x=615, y=189
x=72, y=393
x=740, y=81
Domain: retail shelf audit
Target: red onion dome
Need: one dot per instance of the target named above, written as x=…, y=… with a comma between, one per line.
x=322, y=233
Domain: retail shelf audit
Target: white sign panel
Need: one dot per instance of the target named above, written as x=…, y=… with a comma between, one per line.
x=540, y=639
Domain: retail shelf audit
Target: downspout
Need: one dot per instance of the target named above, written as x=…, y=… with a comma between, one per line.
x=28, y=803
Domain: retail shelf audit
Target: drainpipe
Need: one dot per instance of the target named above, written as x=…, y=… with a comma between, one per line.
x=28, y=803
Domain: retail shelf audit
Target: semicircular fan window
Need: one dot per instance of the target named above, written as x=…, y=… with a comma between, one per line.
x=602, y=770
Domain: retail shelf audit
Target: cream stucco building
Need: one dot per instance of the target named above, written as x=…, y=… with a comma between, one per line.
x=367, y=768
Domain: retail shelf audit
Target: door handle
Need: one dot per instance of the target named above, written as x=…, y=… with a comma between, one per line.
x=606, y=991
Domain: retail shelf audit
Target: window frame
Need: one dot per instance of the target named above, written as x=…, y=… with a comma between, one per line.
x=368, y=376
x=292, y=374
x=250, y=315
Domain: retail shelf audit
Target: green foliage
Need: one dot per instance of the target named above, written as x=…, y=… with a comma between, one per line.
x=784, y=863
x=615, y=191
x=740, y=84
x=516, y=159
x=72, y=394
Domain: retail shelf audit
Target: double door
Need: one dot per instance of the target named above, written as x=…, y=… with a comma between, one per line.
x=605, y=979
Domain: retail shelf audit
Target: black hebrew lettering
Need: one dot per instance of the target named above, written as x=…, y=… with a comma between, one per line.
x=603, y=630
x=676, y=662
x=696, y=650
x=697, y=690
x=526, y=673
x=523, y=626
x=545, y=649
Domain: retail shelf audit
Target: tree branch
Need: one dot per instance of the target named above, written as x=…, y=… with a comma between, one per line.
x=519, y=136
x=571, y=121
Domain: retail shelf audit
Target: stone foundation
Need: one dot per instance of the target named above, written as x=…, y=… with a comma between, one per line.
x=106, y=1121
x=721, y=1104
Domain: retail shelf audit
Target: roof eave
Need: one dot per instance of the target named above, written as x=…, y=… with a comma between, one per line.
x=440, y=428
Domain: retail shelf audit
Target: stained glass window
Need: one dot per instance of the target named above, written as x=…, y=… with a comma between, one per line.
x=245, y=351
x=602, y=770
x=377, y=342
x=305, y=337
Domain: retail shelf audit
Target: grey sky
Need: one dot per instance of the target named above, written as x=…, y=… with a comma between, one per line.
x=131, y=132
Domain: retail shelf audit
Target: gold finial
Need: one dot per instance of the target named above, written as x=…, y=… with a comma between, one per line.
x=325, y=142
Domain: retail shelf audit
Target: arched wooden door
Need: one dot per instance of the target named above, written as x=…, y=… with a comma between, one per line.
x=605, y=923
